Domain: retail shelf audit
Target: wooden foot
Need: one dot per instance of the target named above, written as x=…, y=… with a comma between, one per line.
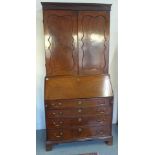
x=48, y=146
x=109, y=141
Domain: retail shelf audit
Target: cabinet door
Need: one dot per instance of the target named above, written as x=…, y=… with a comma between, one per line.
x=60, y=29
x=93, y=38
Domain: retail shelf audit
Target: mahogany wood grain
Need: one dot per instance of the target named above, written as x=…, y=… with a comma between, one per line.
x=79, y=47
x=93, y=42
x=77, y=87
x=78, y=94
x=60, y=42
x=78, y=112
x=60, y=122
x=78, y=103
x=77, y=133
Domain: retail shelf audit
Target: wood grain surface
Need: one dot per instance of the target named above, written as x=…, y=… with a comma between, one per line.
x=78, y=95
x=77, y=87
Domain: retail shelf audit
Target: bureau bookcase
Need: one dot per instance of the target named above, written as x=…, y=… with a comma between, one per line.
x=78, y=95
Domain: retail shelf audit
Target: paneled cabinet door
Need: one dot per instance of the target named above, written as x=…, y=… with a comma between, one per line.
x=60, y=29
x=93, y=42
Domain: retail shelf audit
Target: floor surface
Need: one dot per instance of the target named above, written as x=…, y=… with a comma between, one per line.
x=77, y=147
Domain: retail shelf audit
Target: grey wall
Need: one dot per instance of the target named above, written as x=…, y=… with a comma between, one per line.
x=40, y=58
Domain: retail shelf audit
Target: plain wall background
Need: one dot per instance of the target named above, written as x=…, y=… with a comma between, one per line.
x=40, y=57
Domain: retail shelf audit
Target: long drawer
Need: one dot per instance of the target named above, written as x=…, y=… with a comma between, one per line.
x=78, y=133
x=57, y=104
x=78, y=111
x=59, y=122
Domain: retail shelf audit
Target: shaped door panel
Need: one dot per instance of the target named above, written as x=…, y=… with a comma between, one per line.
x=60, y=29
x=93, y=38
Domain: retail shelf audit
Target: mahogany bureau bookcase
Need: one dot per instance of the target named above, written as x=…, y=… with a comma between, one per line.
x=78, y=94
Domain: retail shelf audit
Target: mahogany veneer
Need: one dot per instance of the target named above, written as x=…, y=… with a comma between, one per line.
x=77, y=87
x=78, y=92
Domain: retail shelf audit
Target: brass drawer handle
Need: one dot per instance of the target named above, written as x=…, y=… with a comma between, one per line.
x=79, y=102
x=79, y=129
x=102, y=104
x=53, y=113
x=101, y=120
x=57, y=125
x=79, y=119
x=58, y=136
x=59, y=103
x=102, y=112
x=80, y=110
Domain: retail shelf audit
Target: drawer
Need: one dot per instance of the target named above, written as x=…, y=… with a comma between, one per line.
x=57, y=104
x=78, y=133
x=78, y=111
x=59, y=122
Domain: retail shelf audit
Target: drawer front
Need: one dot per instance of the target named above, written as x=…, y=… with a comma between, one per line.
x=77, y=121
x=78, y=133
x=60, y=104
x=78, y=111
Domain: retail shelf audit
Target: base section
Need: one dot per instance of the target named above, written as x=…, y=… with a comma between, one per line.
x=49, y=144
x=109, y=141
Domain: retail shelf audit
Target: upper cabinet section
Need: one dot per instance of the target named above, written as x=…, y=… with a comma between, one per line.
x=76, y=38
x=93, y=39
x=60, y=29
